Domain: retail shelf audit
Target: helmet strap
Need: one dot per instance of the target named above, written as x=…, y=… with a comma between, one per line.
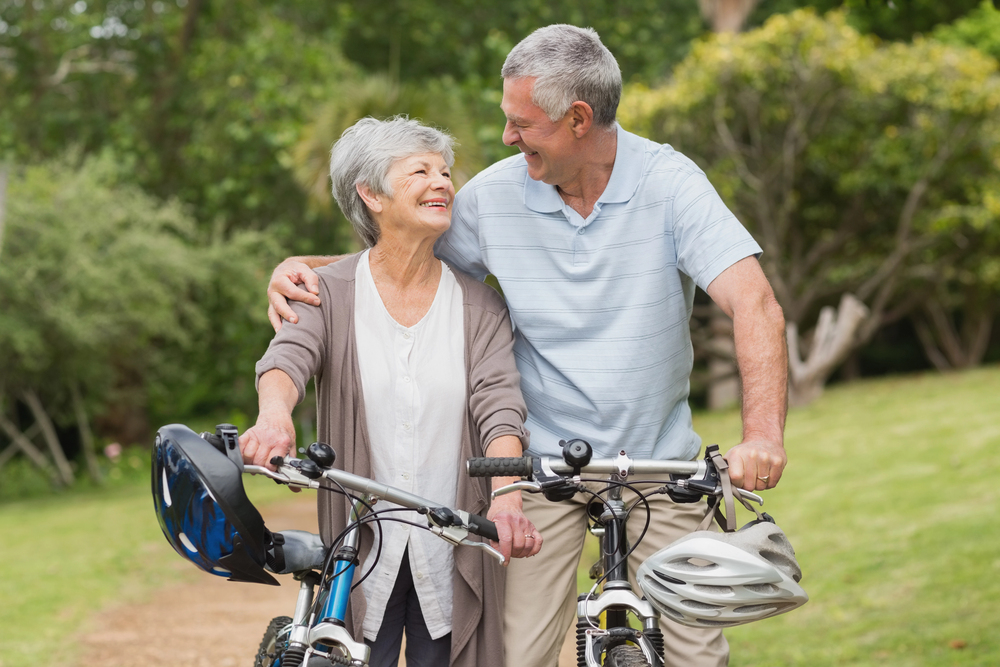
x=727, y=521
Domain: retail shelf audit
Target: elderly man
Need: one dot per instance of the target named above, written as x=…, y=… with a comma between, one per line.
x=598, y=238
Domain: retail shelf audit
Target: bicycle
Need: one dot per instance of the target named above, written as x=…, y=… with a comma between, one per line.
x=618, y=643
x=316, y=633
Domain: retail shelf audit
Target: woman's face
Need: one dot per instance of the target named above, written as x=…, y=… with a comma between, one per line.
x=422, y=197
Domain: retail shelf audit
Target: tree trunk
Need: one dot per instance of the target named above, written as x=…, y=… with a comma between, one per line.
x=19, y=441
x=832, y=341
x=723, y=376
x=49, y=434
x=727, y=15
x=86, y=436
x=945, y=346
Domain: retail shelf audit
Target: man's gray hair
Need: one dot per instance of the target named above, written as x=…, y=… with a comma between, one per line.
x=569, y=64
x=363, y=156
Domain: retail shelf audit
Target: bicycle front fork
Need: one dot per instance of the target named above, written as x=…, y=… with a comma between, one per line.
x=617, y=600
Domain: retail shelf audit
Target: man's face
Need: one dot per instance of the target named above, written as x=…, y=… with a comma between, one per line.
x=547, y=146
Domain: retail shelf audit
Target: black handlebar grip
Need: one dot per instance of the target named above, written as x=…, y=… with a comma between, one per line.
x=483, y=527
x=499, y=467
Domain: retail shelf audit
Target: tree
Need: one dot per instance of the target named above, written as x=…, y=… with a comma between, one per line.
x=102, y=294
x=840, y=155
x=887, y=19
x=980, y=29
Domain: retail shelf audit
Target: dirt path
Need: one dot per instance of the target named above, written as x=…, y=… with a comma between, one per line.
x=204, y=621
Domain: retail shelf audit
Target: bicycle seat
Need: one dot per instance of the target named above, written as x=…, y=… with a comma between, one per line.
x=294, y=551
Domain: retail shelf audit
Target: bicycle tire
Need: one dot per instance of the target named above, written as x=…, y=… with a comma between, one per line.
x=272, y=646
x=625, y=655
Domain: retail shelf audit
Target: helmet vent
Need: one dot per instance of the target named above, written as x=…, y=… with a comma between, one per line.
x=700, y=606
x=714, y=590
x=763, y=589
x=221, y=571
x=166, y=489
x=667, y=578
x=755, y=609
x=693, y=564
x=783, y=563
x=660, y=587
x=187, y=543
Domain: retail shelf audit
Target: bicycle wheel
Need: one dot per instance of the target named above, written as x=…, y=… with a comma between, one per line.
x=625, y=655
x=274, y=643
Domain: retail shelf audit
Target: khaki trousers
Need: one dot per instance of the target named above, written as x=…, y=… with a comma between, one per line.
x=542, y=590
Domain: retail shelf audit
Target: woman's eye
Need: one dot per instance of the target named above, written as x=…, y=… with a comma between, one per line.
x=446, y=174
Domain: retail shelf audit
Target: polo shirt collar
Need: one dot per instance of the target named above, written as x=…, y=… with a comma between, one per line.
x=543, y=198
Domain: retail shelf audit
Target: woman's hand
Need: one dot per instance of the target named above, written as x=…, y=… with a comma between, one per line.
x=272, y=435
x=518, y=537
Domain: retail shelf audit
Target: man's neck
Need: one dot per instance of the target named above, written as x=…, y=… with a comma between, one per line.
x=597, y=162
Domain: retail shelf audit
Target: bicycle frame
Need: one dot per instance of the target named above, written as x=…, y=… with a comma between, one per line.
x=330, y=632
x=617, y=599
x=326, y=632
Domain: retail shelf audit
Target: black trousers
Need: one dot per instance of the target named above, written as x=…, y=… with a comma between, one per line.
x=403, y=613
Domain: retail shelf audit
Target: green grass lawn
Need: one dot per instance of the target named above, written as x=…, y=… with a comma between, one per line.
x=890, y=498
x=66, y=557
x=891, y=501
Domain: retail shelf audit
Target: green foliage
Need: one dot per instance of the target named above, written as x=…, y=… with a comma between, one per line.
x=891, y=20
x=845, y=158
x=92, y=275
x=980, y=28
x=202, y=101
x=108, y=290
x=416, y=40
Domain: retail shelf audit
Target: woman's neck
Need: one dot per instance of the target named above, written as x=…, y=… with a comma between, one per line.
x=406, y=277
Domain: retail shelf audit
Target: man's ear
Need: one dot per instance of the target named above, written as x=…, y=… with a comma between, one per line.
x=581, y=118
x=372, y=200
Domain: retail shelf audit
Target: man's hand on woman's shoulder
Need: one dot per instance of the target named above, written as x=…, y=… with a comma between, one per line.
x=293, y=279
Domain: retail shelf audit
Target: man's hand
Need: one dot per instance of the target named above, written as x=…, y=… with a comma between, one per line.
x=518, y=537
x=272, y=435
x=292, y=279
x=756, y=465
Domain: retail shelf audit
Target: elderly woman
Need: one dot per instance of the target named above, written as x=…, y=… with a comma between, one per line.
x=414, y=373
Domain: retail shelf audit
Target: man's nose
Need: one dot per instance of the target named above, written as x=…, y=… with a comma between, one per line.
x=510, y=134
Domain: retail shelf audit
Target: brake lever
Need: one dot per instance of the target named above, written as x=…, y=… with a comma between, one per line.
x=530, y=487
x=487, y=548
x=287, y=475
x=457, y=535
x=748, y=495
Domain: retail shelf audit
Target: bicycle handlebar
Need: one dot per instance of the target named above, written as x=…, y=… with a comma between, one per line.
x=553, y=475
x=523, y=467
x=292, y=475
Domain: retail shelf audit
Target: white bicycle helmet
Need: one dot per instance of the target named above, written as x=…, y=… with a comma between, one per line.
x=724, y=579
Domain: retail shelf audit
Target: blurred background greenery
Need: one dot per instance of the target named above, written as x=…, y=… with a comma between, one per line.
x=158, y=158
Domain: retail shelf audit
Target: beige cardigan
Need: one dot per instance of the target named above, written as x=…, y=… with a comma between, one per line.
x=322, y=344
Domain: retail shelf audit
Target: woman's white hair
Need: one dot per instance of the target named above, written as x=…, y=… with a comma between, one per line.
x=568, y=64
x=363, y=156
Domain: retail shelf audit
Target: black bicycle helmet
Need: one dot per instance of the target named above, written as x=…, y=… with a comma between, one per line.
x=202, y=507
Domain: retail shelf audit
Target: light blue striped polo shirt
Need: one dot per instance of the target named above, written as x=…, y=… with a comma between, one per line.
x=601, y=305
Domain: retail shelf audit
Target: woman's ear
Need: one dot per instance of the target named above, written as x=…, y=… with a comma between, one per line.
x=372, y=200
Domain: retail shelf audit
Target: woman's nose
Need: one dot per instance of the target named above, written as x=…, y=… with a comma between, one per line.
x=441, y=182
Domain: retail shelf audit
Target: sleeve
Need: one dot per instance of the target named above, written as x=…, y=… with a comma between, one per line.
x=459, y=246
x=707, y=236
x=494, y=384
x=298, y=349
